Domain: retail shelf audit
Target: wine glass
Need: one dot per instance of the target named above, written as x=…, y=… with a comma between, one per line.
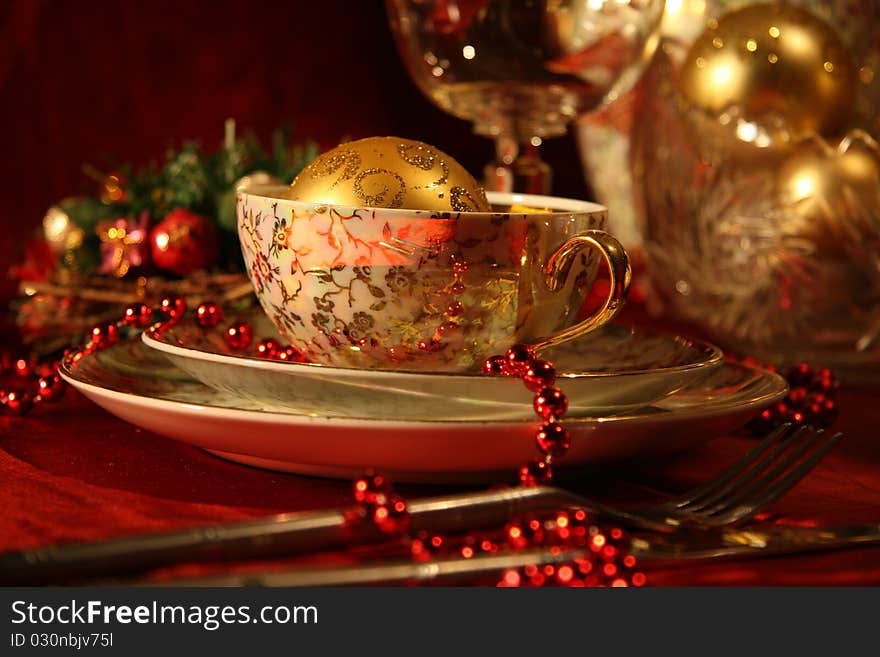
x=521, y=70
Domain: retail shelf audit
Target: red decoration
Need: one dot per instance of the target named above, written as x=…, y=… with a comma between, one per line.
x=137, y=315
x=535, y=472
x=540, y=374
x=495, y=365
x=239, y=336
x=209, y=314
x=104, y=335
x=51, y=388
x=553, y=439
x=550, y=403
x=174, y=307
x=392, y=516
x=16, y=402
x=519, y=358
x=268, y=348
x=371, y=489
x=184, y=242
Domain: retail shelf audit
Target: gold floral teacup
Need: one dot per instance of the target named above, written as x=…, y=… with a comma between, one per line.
x=426, y=290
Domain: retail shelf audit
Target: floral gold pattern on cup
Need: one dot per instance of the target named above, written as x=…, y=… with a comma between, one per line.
x=394, y=288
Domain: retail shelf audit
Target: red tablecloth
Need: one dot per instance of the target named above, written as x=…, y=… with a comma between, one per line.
x=75, y=472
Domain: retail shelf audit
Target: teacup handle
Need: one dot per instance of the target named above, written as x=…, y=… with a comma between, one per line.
x=556, y=273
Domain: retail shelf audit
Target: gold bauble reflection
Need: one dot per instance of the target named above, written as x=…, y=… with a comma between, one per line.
x=772, y=63
x=831, y=193
x=389, y=172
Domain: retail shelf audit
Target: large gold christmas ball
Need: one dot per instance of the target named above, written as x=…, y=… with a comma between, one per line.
x=772, y=65
x=389, y=172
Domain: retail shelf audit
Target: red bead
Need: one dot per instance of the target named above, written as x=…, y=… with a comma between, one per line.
x=457, y=288
x=460, y=266
x=16, y=402
x=372, y=488
x=239, y=335
x=392, y=517
x=51, y=388
x=525, y=533
x=173, y=306
x=540, y=374
x=23, y=367
x=46, y=368
x=290, y=354
x=268, y=348
x=799, y=374
x=209, y=314
x=797, y=396
x=535, y=472
x=454, y=309
x=519, y=357
x=137, y=315
x=553, y=439
x=104, y=335
x=550, y=403
x=495, y=365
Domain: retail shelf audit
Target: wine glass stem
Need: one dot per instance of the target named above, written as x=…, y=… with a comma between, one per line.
x=518, y=167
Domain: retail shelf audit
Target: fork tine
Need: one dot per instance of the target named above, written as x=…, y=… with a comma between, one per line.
x=760, y=480
x=732, y=471
x=724, y=490
x=782, y=486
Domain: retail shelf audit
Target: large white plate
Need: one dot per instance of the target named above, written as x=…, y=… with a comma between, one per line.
x=139, y=386
x=616, y=369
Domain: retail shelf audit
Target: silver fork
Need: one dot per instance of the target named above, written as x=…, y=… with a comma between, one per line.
x=761, y=476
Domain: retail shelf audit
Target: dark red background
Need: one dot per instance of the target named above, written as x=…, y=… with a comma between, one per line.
x=105, y=80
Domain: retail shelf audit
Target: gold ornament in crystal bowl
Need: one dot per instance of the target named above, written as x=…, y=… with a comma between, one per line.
x=389, y=172
x=772, y=64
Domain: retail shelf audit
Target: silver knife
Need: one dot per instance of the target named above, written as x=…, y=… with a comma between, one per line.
x=743, y=543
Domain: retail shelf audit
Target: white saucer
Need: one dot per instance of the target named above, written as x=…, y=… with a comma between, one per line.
x=138, y=385
x=611, y=371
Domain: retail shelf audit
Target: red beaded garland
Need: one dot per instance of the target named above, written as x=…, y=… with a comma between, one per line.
x=519, y=357
x=23, y=367
x=268, y=348
x=540, y=374
x=16, y=402
x=536, y=471
x=391, y=516
x=495, y=365
x=553, y=439
x=209, y=314
x=104, y=335
x=550, y=403
x=173, y=306
x=239, y=335
x=137, y=315
x=51, y=388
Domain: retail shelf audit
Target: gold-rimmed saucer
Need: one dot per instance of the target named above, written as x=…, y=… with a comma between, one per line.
x=138, y=385
x=611, y=371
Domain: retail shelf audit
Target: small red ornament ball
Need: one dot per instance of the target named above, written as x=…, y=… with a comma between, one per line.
x=239, y=336
x=495, y=365
x=137, y=315
x=184, y=242
x=209, y=314
x=51, y=388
